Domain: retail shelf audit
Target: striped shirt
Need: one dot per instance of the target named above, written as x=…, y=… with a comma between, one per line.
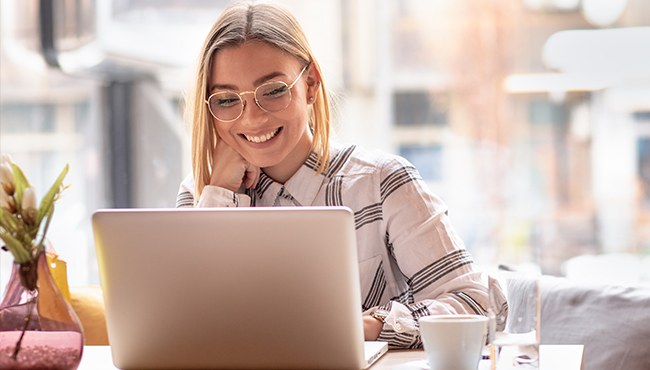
x=411, y=261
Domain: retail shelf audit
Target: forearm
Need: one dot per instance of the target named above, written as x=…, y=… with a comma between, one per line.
x=400, y=327
x=214, y=196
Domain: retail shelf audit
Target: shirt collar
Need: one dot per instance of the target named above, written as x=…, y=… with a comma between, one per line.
x=303, y=186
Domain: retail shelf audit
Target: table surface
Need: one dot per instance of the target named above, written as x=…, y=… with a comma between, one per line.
x=553, y=357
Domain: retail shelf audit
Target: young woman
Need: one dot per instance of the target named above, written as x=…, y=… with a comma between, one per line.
x=260, y=119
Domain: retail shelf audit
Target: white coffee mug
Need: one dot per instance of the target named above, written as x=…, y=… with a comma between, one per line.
x=453, y=342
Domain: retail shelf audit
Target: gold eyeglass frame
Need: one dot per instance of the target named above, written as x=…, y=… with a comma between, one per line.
x=242, y=102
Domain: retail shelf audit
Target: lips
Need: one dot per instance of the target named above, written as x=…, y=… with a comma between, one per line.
x=262, y=138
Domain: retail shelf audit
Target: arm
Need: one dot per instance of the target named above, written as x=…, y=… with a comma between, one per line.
x=230, y=174
x=212, y=196
x=230, y=170
x=439, y=271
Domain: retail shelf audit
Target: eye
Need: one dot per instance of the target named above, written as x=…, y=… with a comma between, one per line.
x=225, y=100
x=274, y=90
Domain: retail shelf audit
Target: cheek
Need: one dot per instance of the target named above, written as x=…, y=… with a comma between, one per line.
x=223, y=132
x=299, y=112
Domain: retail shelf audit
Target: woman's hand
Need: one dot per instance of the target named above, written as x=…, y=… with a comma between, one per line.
x=230, y=170
x=371, y=327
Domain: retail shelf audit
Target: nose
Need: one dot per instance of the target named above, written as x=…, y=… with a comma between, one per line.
x=252, y=112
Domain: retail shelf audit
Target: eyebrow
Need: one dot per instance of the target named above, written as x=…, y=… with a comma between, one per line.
x=257, y=82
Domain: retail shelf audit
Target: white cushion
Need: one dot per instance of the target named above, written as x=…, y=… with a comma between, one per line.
x=612, y=322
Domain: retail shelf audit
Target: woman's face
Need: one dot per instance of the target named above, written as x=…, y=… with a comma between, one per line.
x=279, y=142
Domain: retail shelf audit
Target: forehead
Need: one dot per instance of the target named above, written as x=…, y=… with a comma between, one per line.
x=241, y=65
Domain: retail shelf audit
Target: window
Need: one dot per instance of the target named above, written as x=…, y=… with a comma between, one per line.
x=416, y=108
x=426, y=158
x=532, y=153
x=27, y=117
x=544, y=112
x=643, y=152
x=641, y=116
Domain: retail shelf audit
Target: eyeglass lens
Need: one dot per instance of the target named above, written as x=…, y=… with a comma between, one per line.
x=272, y=97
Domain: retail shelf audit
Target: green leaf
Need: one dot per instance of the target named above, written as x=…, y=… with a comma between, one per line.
x=8, y=221
x=47, y=203
x=21, y=255
x=3, y=224
x=21, y=184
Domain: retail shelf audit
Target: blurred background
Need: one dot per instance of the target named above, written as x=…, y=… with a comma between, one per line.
x=530, y=118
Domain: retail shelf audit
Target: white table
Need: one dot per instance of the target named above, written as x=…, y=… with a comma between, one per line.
x=553, y=357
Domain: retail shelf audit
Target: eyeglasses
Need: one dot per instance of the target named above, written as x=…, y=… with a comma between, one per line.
x=273, y=96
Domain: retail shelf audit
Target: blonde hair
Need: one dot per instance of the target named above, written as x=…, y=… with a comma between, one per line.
x=237, y=24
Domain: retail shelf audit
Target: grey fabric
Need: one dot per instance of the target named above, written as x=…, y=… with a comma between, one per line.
x=612, y=322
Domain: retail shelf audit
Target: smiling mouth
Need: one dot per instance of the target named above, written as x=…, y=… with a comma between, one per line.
x=263, y=138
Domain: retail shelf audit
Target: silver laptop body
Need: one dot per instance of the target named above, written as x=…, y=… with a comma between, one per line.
x=232, y=288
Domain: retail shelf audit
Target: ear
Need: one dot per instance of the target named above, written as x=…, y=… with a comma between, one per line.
x=313, y=83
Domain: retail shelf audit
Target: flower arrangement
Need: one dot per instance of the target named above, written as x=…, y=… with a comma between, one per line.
x=23, y=224
x=23, y=227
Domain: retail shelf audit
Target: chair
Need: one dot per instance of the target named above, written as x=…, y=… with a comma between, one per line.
x=88, y=303
x=612, y=322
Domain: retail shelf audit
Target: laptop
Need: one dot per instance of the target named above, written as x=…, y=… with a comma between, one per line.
x=232, y=288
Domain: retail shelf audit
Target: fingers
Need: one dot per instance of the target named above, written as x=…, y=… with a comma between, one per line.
x=230, y=170
x=251, y=176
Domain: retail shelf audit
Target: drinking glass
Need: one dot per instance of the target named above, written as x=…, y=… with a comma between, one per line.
x=514, y=333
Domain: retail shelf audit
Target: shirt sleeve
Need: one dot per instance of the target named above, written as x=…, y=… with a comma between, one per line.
x=185, y=196
x=212, y=196
x=423, y=244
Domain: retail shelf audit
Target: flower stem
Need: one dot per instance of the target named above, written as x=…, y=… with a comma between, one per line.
x=28, y=318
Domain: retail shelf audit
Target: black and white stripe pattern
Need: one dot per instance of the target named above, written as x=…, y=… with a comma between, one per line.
x=184, y=199
x=368, y=215
x=263, y=185
x=312, y=162
x=333, y=195
x=284, y=194
x=471, y=303
x=438, y=269
x=406, y=297
x=339, y=160
x=430, y=274
x=396, y=179
x=251, y=195
x=399, y=340
x=389, y=246
x=377, y=289
x=419, y=310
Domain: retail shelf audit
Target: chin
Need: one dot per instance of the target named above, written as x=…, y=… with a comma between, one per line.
x=262, y=162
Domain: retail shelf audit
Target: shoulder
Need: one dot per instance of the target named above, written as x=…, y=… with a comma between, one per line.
x=185, y=196
x=187, y=185
x=353, y=159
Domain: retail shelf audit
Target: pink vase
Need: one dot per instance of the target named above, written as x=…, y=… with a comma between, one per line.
x=38, y=328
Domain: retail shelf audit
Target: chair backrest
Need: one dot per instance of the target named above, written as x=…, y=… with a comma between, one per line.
x=612, y=322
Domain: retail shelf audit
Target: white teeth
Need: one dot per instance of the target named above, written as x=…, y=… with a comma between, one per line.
x=263, y=138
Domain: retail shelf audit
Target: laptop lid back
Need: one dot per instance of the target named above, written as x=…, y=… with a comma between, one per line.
x=231, y=288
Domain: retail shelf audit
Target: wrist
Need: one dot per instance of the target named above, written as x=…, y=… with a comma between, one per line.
x=380, y=314
x=372, y=327
x=225, y=186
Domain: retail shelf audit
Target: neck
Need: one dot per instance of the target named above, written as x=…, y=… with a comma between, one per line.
x=283, y=171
